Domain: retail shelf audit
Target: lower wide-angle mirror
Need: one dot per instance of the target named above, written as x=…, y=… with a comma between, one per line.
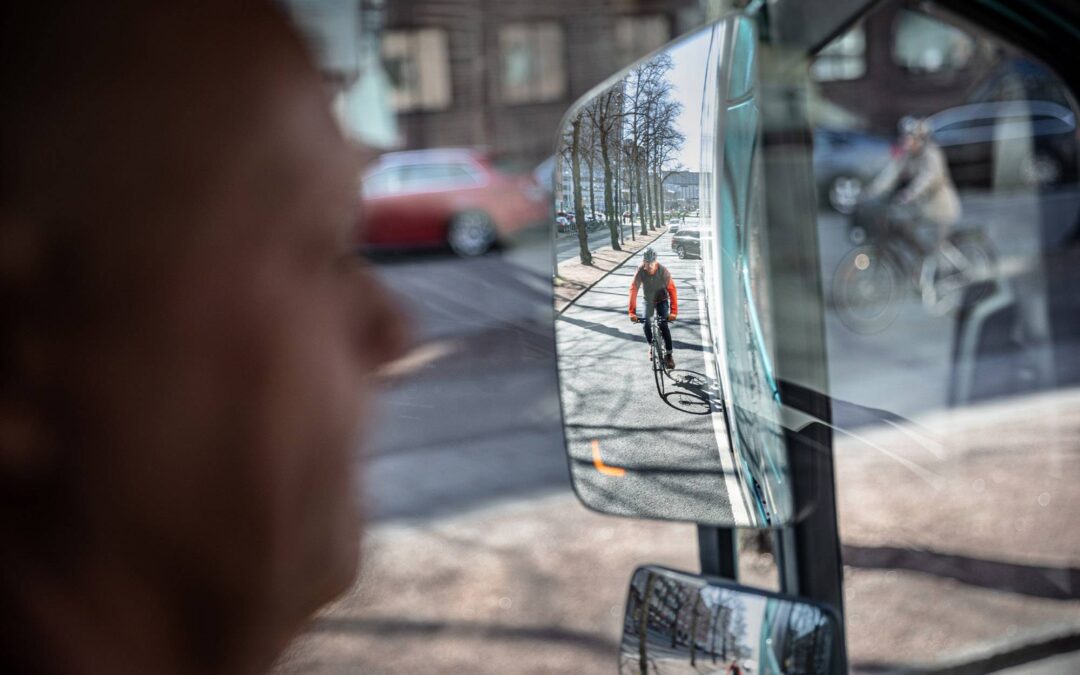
x=682, y=623
x=671, y=407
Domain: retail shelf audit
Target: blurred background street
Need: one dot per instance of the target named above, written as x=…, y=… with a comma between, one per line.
x=955, y=503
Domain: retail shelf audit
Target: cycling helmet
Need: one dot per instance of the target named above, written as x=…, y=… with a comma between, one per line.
x=650, y=255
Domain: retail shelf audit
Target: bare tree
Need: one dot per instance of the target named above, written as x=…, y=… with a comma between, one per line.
x=607, y=116
x=579, y=208
x=652, y=116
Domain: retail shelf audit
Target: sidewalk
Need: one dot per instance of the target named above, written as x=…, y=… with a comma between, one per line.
x=531, y=588
x=574, y=278
x=539, y=586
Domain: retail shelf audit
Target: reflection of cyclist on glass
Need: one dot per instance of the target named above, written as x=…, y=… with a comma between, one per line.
x=914, y=189
x=660, y=297
x=917, y=180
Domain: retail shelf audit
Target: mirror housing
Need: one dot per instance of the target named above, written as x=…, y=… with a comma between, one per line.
x=679, y=622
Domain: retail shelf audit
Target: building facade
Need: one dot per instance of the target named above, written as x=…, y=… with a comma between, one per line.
x=896, y=54
x=521, y=63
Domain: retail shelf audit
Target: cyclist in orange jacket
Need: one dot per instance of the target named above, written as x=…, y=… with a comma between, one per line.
x=660, y=297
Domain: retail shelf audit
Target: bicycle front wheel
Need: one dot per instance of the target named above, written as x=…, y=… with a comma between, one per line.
x=866, y=290
x=658, y=355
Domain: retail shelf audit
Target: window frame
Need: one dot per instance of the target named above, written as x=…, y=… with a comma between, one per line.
x=426, y=52
x=547, y=80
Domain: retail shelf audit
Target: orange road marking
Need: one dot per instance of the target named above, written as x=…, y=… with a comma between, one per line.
x=599, y=463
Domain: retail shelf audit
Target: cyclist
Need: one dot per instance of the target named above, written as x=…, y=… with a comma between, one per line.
x=660, y=297
x=917, y=176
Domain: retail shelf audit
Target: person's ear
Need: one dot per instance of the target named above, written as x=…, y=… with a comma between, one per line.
x=23, y=421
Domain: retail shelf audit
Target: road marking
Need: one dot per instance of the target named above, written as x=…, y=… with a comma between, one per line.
x=736, y=496
x=616, y=471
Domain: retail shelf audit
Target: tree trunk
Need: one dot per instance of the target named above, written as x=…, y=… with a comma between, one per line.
x=693, y=633
x=713, y=633
x=660, y=188
x=579, y=208
x=656, y=201
x=642, y=207
x=591, y=163
x=643, y=626
x=619, y=206
x=649, y=199
x=609, y=203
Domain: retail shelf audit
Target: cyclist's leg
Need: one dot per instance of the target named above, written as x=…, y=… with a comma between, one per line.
x=648, y=330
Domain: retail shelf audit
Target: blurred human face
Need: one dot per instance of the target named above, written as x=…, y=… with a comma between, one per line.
x=651, y=267
x=220, y=392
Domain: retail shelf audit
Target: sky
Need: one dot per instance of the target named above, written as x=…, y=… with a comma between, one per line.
x=688, y=79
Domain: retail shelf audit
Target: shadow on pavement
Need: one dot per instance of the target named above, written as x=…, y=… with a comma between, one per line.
x=1055, y=583
x=692, y=395
x=991, y=663
x=465, y=629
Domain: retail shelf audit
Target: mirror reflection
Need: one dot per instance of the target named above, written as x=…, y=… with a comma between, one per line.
x=669, y=401
x=680, y=623
x=947, y=167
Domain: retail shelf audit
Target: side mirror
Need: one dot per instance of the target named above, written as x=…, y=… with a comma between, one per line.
x=673, y=420
x=682, y=623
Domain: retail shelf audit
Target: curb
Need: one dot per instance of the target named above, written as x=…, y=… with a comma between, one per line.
x=588, y=288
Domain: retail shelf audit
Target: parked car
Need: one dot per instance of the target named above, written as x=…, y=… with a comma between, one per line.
x=844, y=162
x=564, y=221
x=969, y=133
x=454, y=197
x=687, y=243
x=1020, y=79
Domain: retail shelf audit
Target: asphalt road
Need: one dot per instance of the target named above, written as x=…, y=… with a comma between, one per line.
x=633, y=451
x=477, y=420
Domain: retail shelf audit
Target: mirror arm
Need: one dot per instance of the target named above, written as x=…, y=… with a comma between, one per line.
x=718, y=551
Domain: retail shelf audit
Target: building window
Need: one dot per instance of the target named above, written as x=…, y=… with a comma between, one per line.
x=418, y=65
x=636, y=36
x=923, y=44
x=842, y=59
x=533, y=68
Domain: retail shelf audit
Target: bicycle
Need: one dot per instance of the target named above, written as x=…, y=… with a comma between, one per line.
x=657, y=352
x=868, y=282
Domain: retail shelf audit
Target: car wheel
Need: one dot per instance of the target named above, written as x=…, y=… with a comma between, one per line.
x=844, y=194
x=681, y=252
x=471, y=233
x=1040, y=169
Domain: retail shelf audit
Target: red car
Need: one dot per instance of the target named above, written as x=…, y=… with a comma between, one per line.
x=454, y=197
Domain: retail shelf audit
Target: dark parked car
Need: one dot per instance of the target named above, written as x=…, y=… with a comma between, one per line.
x=969, y=134
x=687, y=243
x=844, y=162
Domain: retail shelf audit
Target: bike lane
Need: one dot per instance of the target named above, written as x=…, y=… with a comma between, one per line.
x=633, y=451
